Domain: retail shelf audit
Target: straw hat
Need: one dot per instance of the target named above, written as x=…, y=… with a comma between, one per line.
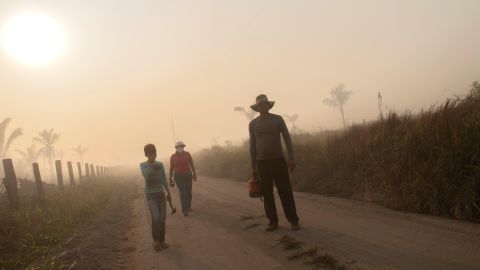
x=260, y=100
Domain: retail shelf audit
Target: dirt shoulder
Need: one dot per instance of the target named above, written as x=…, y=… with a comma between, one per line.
x=97, y=245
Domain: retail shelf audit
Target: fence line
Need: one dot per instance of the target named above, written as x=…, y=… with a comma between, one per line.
x=11, y=181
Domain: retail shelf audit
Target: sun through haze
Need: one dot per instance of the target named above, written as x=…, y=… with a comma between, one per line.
x=121, y=71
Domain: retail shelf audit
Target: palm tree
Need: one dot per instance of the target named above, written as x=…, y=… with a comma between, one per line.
x=5, y=145
x=80, y=151
x=338, y=98
x=292, y=119
x=47, y=138
x=248, y=114
x=29, y=156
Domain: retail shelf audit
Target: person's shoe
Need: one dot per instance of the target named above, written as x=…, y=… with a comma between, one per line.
x=295, y=227
x=164, y=245
x=185, y=213
x=157, y=245
x=271, y=227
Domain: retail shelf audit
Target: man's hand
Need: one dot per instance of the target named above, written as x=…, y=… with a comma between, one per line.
x=291, y=165
x=172, y=184
x=254, y=173
x=194, y=177
x=168, y=197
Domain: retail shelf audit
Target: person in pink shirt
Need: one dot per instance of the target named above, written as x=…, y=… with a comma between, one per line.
x=183, y=171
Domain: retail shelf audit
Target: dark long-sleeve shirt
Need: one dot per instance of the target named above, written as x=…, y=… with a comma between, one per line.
x=265, y=142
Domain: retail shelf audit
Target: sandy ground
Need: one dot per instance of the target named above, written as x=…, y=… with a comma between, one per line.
x=358, y=234
x=99, y=244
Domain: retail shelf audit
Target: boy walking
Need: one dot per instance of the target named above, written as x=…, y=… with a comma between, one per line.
x=155, y=186
x=268, y=162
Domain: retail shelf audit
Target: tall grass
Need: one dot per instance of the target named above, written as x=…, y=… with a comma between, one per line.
x=427, y=163
x=30, y=232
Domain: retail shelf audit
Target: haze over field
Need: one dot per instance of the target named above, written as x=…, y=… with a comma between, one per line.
x=128, y=69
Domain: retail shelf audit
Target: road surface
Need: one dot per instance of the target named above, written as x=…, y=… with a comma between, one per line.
x=223, y=232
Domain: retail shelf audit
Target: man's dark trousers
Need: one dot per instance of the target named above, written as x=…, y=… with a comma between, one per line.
x=276, y=170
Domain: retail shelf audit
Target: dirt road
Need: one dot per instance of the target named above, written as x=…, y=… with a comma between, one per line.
x=223, y=232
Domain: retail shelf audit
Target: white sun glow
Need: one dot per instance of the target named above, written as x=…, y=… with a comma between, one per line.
x=33, y=38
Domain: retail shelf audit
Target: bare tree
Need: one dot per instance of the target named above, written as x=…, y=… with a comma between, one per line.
x=47, y=138
x=248, y=114
x=339, y=97
x=215, y=140
x=80, y=151
x=380, y=104
x=292, y=119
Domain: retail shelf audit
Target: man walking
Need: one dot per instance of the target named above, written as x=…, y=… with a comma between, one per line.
x=268, y=162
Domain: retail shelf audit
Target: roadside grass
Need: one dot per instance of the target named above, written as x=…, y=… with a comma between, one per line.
x=288, y=243
x=427, y=162
x=39, y=225
x=244, y=218
x=325, y=261
x=249, y=217
x=312, y=256
x=304, y=253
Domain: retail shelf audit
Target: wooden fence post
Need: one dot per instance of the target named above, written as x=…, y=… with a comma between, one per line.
x=38, y=180
x=58, y=166
x=11, y=183
x=87, y=170
x=92, y=170
x=70, y=173
x=98, y=171
x=79, y=167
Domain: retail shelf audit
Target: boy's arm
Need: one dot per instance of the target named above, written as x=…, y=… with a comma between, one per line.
x=163, y=179
x=164, y=182
x=171, y=168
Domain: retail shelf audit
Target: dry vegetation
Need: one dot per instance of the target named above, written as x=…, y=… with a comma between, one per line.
x=428, y=163
x=39, y=225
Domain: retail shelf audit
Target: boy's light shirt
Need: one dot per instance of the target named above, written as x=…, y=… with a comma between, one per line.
x=147, y=169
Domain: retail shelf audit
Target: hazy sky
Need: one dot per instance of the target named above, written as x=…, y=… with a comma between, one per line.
x=131, y=66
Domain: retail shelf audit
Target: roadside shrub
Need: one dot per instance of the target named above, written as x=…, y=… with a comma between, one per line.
x=427, y=163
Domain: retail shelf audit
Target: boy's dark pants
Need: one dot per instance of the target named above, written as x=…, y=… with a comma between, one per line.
x=276, y=170
x=184, y=184
x=158, y=209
